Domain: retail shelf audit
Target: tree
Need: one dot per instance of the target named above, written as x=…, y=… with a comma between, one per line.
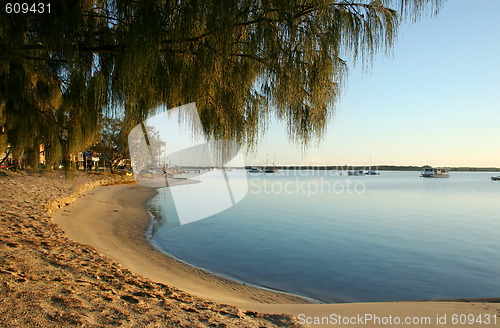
x=241, y=61
x=113, y=146
x=3, y=136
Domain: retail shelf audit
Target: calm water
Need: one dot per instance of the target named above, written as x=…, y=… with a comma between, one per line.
x=350, y=239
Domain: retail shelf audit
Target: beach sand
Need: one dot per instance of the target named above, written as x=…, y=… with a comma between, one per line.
x=50, y=280
x=120, y=278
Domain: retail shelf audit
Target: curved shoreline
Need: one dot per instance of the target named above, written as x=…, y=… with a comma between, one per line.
x=149, y=234
x=306, y=300
x=114, y=220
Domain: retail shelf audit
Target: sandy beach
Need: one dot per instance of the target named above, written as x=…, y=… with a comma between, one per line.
x=100, y=270
x=50, y=280
x=121, y=236
x=114, y=220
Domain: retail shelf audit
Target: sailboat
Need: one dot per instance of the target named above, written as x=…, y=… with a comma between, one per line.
x=372, y=171
x=269, y=169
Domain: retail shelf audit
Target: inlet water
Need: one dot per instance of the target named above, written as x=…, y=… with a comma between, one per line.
x=339, y=238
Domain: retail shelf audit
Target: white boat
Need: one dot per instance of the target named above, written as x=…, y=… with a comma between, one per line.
x=435, y=172
x=255, y=170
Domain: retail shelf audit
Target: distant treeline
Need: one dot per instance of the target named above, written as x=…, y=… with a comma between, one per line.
x=475, y=169
x=381, y=168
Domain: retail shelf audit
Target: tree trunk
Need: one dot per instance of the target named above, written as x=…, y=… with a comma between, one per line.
x=68, y=161
x=6, y=156
x=113, y=164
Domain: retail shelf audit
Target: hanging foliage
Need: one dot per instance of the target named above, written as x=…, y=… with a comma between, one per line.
x=242, y=62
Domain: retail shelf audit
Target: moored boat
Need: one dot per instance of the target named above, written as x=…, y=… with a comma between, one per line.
x=255, y=170
x=270, y=170
x=435, y=172
x=372, y=172
x=356, y=172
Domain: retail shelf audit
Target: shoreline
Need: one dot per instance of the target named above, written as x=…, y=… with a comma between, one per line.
x=122, y=236
x=118, y=231
x=148, y=234
x=306, y=300
x=49, y=280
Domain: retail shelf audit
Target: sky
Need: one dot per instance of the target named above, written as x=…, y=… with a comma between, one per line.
x=435, y=100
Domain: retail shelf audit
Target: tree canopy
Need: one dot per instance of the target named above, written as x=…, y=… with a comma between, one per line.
x=112, y=146
x=241, y=61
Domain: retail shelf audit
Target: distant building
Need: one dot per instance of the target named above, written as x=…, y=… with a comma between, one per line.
x=88, y=160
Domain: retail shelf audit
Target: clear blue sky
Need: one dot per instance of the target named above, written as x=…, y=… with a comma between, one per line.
x=435, y=100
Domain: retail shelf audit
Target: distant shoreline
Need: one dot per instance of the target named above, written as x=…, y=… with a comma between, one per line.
x=377, y=167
